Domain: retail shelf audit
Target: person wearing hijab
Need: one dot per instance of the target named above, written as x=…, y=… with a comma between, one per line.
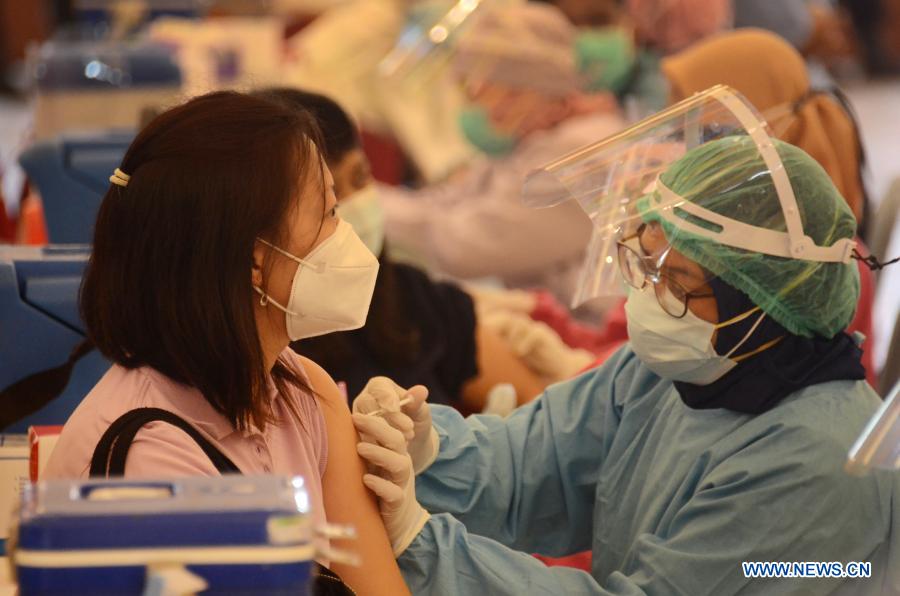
x=772, y=75
x=716, y=437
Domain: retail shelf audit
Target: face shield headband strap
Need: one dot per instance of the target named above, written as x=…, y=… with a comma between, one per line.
x=792, y=245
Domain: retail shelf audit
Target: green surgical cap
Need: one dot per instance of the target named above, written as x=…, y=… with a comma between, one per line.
x=729, y=177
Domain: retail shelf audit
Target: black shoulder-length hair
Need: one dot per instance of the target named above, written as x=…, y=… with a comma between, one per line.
x=168, y=284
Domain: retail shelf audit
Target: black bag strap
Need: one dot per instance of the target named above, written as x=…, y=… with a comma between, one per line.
x=112, y=449
x=328, y=583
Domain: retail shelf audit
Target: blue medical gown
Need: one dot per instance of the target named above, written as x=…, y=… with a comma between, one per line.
x=669, y=499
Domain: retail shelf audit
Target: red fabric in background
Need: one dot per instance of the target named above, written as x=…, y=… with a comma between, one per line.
x=386, y=158
x=600, y=340
x=7, y=223
x=7, y=226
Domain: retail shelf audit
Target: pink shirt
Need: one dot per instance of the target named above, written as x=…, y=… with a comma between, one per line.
x=161, y=450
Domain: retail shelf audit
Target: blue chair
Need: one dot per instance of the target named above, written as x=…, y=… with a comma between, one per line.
x=71, y=172
x=41, y=326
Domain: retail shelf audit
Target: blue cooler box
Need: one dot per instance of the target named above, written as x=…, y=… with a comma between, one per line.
x=241, y=534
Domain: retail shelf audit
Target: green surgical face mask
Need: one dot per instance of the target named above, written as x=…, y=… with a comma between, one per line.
x=478, y=130
x=606, y=57
x=363, y=211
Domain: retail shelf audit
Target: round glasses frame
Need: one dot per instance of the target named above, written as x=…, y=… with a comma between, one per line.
x=637, y=269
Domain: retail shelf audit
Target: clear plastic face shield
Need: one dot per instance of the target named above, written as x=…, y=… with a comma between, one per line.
x=878, y=447
x=424, y=47
x=510, y=81
x=626, y=187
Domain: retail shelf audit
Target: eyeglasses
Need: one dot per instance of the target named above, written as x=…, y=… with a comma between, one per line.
x=638, y=269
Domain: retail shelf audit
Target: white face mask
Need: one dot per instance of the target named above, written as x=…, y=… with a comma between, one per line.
x=678, y=349
x=363, y=211
x=332, y=287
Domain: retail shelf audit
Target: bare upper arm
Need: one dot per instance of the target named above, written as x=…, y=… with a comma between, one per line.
x=347, y=500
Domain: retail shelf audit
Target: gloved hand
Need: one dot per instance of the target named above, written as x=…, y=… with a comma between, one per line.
x=412, y=419
x=538, y=345
x=391, y=477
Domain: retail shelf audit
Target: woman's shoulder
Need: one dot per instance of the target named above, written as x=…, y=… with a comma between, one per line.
x=319, y=381
x=323, y=393
x=331, y=419
x=123, y=389
x=120, y=390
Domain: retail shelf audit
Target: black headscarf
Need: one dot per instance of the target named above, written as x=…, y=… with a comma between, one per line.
x=760, y=382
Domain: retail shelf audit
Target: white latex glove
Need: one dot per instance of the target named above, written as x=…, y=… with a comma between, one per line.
x=538, y=345
x=501, y=400
x=412, y=419
x=391, y=477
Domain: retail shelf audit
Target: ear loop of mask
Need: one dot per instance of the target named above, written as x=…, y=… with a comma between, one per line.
x=318, y=267
x=747, y=336
x=732, y=321
x=264, y=298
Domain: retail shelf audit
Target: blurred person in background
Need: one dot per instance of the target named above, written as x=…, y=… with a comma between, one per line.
x=339, y=55
x=536, y=89
x=659, y=27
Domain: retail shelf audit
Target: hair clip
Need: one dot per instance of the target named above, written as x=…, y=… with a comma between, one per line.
x=119, y=178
